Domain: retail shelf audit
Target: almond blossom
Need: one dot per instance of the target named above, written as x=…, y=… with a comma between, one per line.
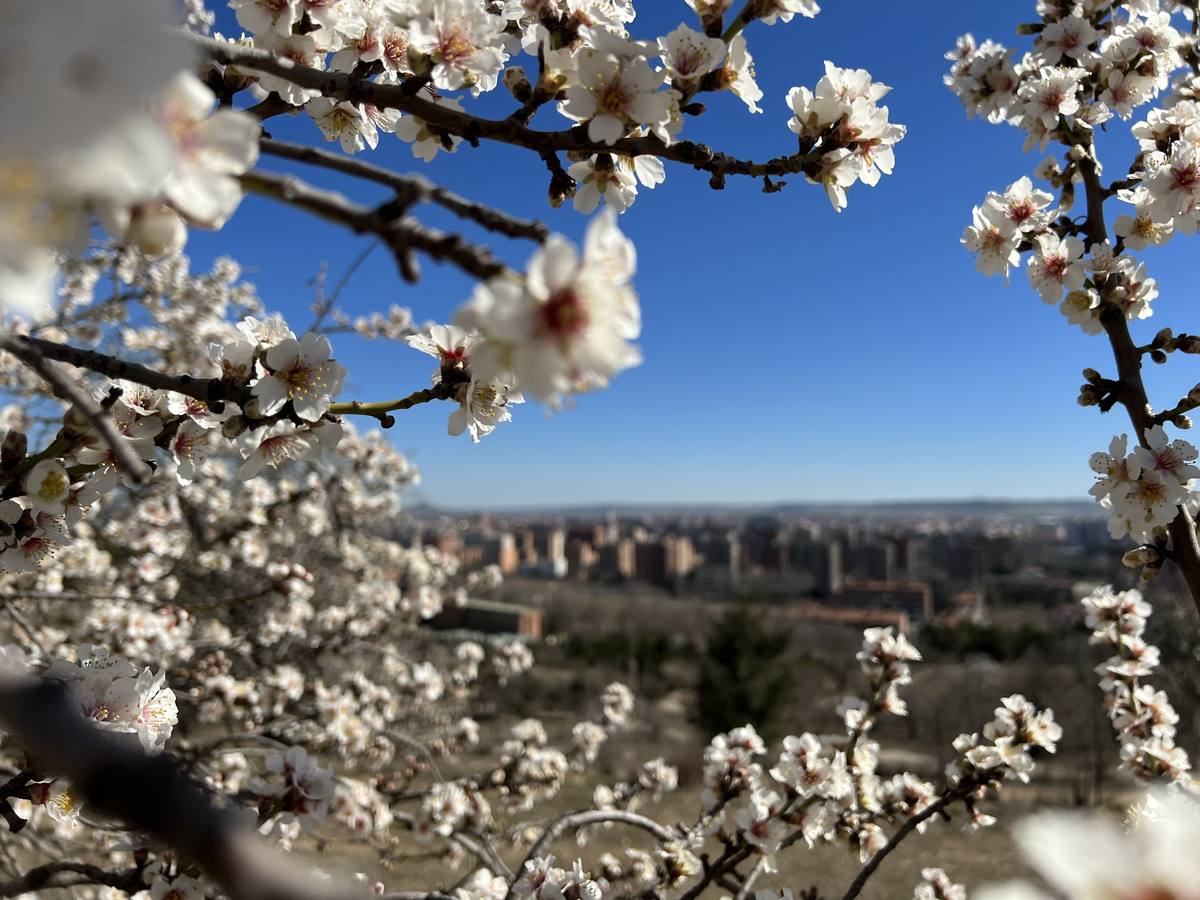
x=567, y=324
x=616, y=93
x=302, y=373
x=210, y=149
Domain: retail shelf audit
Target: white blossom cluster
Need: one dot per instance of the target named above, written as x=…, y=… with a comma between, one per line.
x=1142, y=717
x=134, y=142
x=935, y=884
x=1144, y=489
x=562, y=328
x=1086, y=66
x=824, y=789
x=543, y=880
x=587, y=65
x=1091, y=63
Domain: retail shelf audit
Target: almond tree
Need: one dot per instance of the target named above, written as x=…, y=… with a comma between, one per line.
x=212, y=641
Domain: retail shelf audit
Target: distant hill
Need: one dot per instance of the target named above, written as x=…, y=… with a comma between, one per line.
x=982, y=507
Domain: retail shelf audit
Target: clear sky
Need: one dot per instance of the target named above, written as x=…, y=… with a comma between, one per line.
x=792, y=353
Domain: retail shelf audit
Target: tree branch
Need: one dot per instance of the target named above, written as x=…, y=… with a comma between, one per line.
x=211, y=391
x=148, y=793
x=402, y=234
x=1185, y=548
x=43, y=877
x=574, y=821
x=343, y=86
x=410, y=188
x=126, y=459
x=909, y=826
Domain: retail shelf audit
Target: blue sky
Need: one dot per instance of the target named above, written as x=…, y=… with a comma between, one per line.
x=791, y=353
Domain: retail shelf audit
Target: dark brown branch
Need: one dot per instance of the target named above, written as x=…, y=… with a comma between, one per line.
x=127, y=460
x=344, y=86
x=410, y=188
x=402, y=234
x=212, y=391
x=1185, y=548
x=909, y=826
x=150, y=794
x=44, y=877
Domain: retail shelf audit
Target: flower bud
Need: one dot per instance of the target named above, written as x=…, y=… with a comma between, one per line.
x=233, y=427
x=1182, y=422
x=518, y=84
x=1141, y=556
x=1091, y=376
x=1158, y=356
x=156, y=230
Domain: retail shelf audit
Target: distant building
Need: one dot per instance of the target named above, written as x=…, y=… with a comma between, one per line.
x=821, y=561
x=859, y=618
x=490, y=550
x=913, y=598
x=617, y=560
x=870, y=561
x=489, y=617
x=650, y=562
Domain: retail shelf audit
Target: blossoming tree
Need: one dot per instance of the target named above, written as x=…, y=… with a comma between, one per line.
x=212, y=656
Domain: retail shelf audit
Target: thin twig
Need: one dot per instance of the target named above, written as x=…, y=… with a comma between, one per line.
x=909, y=826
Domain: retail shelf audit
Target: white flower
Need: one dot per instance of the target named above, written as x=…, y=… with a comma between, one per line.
x=614, y=94
x=689, y=55
x=484, y=405
x=994, y=239
x=144, y=706
x=448, y=344
x=47, y=486
x=1056, y=266
x=1068, y=36
x=1050, y=93
x=464, y=42
x=566, y=326
x=189, y=447
x=261, y=17
x=300, y=372
x=1085, y=857
x=1023, y=205
x=301, y=49
x=783, y=10
x=1141, y=229
x=1175, y=185
x=344, y=122
x=274, y=445
x=1169, y=458
x=210, y=149
x=738, y=74
x=427, y=141
x=612, y=182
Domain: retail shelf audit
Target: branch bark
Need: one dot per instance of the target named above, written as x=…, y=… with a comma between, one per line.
x=402, y=234
x=411, y=188
x=343, y=86
x=150, y=794
x=1185, y=548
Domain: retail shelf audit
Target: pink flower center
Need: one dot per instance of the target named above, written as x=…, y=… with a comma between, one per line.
x=563, y=316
